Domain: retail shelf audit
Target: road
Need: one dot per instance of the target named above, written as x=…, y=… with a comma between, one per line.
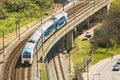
x=91, y=30
x=103, y=70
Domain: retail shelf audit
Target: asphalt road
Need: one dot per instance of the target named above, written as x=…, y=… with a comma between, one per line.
x=103, y=70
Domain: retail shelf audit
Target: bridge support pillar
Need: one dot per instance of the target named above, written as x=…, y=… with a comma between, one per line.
x=88, y=22
x=69, y=40
x=108, y=7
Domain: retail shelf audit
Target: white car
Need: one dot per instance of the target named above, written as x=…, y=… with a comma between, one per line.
x=118, y=61
x=88, y=34
x=116, y=67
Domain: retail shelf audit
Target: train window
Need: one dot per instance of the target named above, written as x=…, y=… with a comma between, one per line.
x=61, y=18
x=50, y=27
x=32, y=41
x=26, y=56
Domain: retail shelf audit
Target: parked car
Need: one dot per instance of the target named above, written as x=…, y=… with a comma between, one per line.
x=88, y=34
x=118, y=61
x=85, y=38
x=116, y=67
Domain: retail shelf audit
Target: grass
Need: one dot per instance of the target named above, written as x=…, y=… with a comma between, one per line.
x=43, y=72
x=116, y=2
x=101, y=53
x=8, y=25
x=83, y=48
x=80, y=51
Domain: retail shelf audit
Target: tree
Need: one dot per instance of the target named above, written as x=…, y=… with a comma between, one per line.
x=110, y=29
x=2, y=11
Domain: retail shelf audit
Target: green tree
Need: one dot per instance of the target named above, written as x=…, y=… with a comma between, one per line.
x=110, y=29
x=2, y=11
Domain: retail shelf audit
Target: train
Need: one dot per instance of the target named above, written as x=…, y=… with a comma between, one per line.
x=40, y=35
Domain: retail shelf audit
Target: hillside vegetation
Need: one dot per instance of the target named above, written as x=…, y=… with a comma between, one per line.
x=24, y=11
x=108, y=35
x=107, y=38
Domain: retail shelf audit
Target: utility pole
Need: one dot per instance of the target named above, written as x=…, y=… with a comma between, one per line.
x=87, y=70
x=41, y=12
x=63, y=4
x=16, y=22
x=37, y=66
x=42, y=42
x=69, y=62
x=3, y=44
x=19, y=27
x=74, y=9
x=94, y=2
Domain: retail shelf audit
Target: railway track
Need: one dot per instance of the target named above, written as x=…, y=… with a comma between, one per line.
x=58, y=68
x=80, y=9
x=59, y=73
x=14, y=70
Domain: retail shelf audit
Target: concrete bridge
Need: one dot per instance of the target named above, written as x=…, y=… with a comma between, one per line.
x=67, y=30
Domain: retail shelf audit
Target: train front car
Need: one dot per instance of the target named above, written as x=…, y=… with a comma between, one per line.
x=31, y=47
x=27, y=54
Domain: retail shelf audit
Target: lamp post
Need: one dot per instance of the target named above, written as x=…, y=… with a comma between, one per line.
x=95, y=75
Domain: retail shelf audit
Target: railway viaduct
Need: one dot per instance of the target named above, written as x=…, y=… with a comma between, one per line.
x=66, y=33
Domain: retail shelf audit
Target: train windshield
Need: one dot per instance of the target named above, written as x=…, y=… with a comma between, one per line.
x=26, y=54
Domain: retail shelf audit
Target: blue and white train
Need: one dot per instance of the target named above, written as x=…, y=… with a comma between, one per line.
x=40, y=35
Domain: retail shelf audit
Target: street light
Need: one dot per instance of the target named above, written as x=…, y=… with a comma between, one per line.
x=95, y=75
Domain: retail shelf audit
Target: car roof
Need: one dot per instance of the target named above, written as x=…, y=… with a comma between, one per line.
x=61, y=14
x=115, y=65
x=29, y=46
x=35, y=36
x=118, y=58
x=46, y=25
